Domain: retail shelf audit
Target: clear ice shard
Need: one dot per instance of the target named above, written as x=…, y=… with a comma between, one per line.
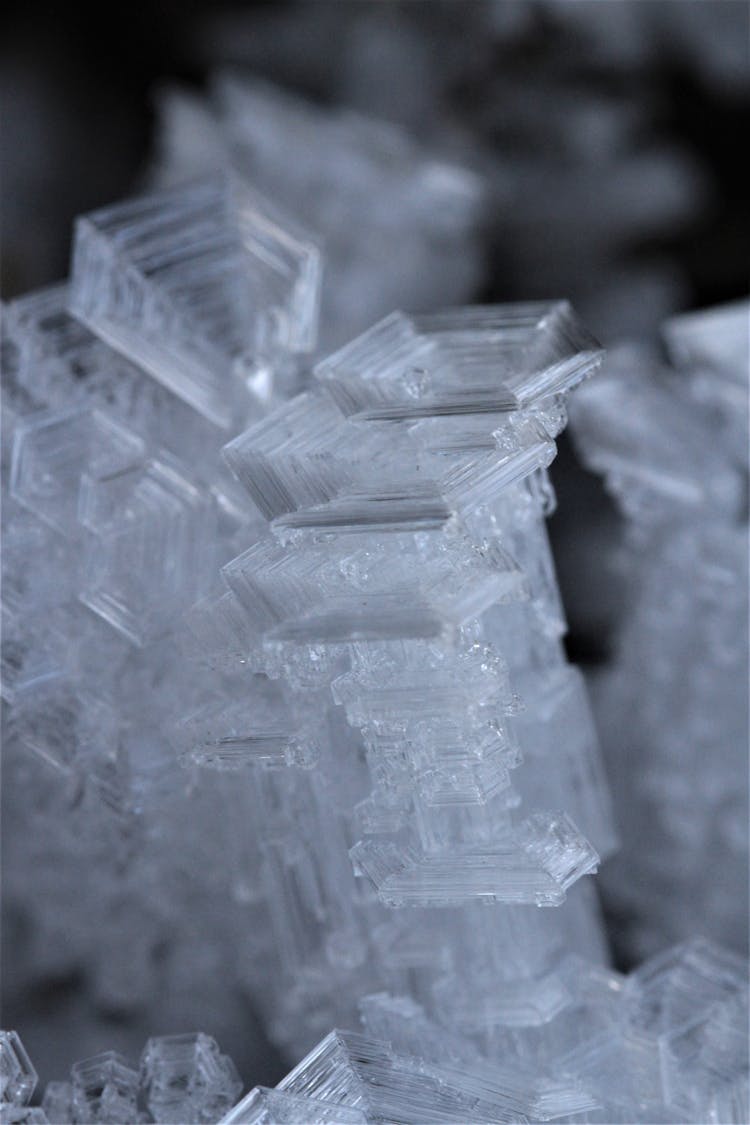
x=186, y=1078
x=151, y=522
x=207, y=288
x=531, y=867
x=182, y=1080
x=355, y=1070
x=51, y=452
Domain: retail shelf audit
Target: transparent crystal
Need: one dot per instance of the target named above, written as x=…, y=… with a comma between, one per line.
x=105, y=1089
x=17, y=1076
x=206, y=287
x=186, y=1078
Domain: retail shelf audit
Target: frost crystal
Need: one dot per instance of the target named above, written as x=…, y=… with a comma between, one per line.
x=207, y=288
x=287, y=707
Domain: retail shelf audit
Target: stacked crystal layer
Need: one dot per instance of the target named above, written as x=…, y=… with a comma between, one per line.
x=397, y=222
x=672, y=444
x=402, y=620
x=189, y=313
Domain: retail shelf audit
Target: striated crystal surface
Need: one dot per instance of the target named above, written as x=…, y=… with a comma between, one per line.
x=263, y=1106
x=403, y=601
x=206, y=287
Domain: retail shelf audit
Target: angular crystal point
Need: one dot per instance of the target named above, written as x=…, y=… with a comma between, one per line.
x=673, y=988
x=17, y=1076
x=398, y=222
x=105, y=1089
x=263, y=728
x=705, y=1062
x=186, y=1078
x=64, y=364
x=207, y=287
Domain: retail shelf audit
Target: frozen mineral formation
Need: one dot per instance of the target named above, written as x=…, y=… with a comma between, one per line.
x=668, y=1043
x=672, y=444
x=300, y=723
x=402, y=619
x=181, y=1080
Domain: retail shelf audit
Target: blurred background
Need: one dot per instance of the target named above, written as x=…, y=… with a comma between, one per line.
x=609, y=133
x=616, y=128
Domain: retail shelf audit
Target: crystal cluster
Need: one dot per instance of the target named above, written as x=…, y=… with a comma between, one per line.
x=287, y=708
x=672, y=444
x=181, y=1079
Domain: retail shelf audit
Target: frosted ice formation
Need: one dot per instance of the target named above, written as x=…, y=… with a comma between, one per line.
x=402, y=627
x=398, y=223
x=672, y=444
x=667, y=1043
x=181, y=1080
x=297, y=724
